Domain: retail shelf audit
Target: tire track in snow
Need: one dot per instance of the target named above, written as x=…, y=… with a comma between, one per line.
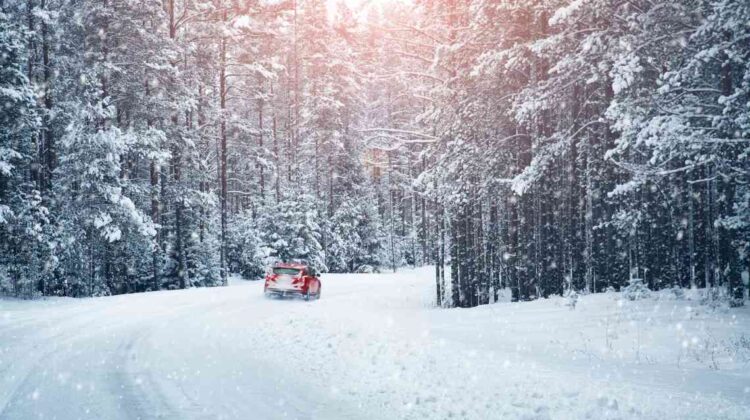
x=85, y=371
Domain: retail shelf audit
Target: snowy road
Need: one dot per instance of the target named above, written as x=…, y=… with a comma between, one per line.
x=372, y=347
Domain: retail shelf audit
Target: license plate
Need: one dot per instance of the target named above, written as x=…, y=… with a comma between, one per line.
x=284, y=282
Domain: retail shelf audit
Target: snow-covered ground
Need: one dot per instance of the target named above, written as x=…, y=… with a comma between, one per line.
x=372, y=347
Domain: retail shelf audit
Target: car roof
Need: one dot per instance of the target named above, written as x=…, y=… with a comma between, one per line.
x=290, y=265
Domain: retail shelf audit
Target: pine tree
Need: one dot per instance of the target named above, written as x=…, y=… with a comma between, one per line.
x=290, y=232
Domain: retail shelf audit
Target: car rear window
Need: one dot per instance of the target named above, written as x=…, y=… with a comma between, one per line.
x=288, y=271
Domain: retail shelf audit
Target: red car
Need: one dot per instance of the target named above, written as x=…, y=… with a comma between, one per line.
x=292, y=280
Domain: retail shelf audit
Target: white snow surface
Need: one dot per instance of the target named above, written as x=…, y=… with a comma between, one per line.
x=375, y=347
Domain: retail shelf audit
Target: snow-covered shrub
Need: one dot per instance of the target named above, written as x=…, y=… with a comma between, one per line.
x=6, y=284
x=354, y=237
x=678, y=293
x=716, y=352
x=503, y=295
x=571, y=299
x=636, y=290
x=736, y=302
x=719, y=297
x=366, y=268
x=708, y=351
x=244, y=253
x=395, y=252
x=740, y=348
x=670, y=293
x=713, y=297
x=204, y=265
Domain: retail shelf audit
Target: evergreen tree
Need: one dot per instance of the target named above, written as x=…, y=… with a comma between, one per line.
x=290, y=232
x=24, y=251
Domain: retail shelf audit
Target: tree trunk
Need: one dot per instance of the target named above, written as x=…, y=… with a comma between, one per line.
x=223, y=148
x=260, y=146
x=277, y=184
x=728, y=255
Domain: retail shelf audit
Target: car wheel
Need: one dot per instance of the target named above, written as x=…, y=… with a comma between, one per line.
x=307, y=294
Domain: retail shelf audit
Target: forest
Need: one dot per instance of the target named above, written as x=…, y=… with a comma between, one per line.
x=541, y=146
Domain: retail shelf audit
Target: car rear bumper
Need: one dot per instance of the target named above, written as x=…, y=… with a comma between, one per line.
x=284, y=292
